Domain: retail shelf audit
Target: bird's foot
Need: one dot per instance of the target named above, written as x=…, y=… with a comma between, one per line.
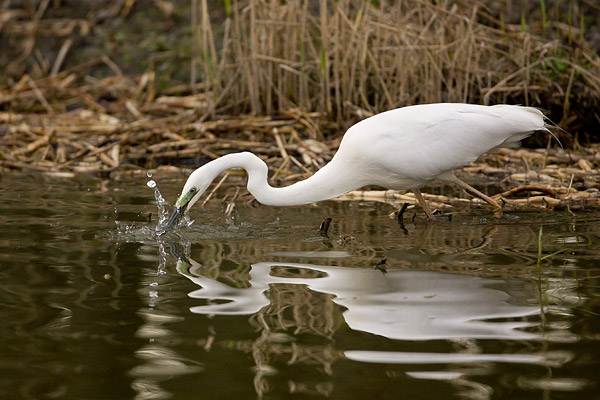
x=438, y=215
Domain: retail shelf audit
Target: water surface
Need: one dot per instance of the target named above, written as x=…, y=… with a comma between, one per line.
x=262, y=306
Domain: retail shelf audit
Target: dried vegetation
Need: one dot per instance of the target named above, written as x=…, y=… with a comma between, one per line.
x=285, y=79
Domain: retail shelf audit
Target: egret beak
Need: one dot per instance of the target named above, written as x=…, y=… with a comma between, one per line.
x=180, y=208
x=175, y=217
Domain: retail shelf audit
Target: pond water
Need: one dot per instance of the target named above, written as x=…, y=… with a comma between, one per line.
x=262, y=306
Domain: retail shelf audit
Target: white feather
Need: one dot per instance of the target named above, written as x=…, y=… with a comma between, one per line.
x=398, y=149
x=418, y=143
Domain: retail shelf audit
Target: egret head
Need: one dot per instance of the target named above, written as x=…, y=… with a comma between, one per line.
x=192, y=190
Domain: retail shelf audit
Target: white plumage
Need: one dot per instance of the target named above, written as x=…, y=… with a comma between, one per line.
x=413, y=145
x=404, y=148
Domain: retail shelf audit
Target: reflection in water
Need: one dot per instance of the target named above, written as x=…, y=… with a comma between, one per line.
x=399, y=304
x=402, y=305
x=159, y=363
x=86, y=314
x=387, y=357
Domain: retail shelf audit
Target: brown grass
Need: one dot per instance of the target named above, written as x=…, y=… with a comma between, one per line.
x=284, y=79
x=344, y=59
x=351, y=59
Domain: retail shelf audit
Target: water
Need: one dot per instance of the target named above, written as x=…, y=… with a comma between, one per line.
x=265, y=307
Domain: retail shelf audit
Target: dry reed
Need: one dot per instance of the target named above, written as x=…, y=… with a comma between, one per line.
x=296, y=74
x=350, y=59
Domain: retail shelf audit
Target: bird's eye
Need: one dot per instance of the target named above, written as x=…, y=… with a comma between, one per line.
x=193, y=190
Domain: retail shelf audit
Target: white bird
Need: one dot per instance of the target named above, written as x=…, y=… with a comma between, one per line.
x=404, y=148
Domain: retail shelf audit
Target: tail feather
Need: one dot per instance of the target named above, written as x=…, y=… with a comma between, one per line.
x=531, y=119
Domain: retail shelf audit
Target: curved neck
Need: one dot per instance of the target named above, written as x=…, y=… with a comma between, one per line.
x=331, y=181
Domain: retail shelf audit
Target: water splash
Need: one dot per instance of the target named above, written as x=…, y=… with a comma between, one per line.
x=160, y=204
x=186, y=220
x=132, y=232
x=153, y=292
x=162, y=212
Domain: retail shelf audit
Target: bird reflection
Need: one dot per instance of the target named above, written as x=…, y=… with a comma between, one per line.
x=401, y=304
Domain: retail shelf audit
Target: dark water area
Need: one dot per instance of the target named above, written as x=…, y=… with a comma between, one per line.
x=264, y=307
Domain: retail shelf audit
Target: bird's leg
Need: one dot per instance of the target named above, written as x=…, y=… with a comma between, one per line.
x=495, y=206
x=423, y=204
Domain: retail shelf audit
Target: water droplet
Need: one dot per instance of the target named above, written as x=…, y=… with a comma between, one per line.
x=151, y=183
x=149, y=174
x=154, y=284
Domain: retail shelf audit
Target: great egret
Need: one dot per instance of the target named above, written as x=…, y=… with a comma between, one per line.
x=404, y=148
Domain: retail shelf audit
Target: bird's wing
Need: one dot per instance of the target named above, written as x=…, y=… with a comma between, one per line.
x=421, y=142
